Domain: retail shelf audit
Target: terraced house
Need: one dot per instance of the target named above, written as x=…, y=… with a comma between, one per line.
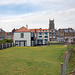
x=31, y=37
x=41, y=36
x=2, y=34
x=66, y=35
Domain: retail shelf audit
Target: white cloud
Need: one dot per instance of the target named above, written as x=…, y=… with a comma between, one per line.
x=63, y=19
x=2, y=2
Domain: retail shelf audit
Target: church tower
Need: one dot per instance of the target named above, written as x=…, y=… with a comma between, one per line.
x=51, y=24
x=52, y=31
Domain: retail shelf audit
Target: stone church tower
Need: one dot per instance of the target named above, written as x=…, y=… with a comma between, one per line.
x=51, y=24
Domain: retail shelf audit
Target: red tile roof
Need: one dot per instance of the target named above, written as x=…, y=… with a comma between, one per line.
x=22, y=29
x=32, y=29
x=38, y=30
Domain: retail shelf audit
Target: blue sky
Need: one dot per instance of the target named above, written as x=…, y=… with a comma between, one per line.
x=14, y=9
x=36, y=13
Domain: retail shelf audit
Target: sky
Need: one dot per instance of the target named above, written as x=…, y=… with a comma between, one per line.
x=36, y=13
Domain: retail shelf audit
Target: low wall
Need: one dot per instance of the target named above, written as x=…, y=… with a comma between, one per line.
x=6, y=45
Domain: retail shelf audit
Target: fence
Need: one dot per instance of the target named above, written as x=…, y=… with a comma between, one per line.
x=6, y=45
x=66, y=60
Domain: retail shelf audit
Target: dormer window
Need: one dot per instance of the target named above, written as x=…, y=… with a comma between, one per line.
x=22, y=35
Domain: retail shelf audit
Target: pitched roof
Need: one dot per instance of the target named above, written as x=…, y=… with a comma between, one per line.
x=22, y=29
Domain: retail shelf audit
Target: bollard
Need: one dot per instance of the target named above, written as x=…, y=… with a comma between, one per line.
x=9, y=44
x=6, y=45
x=12, y=44
x=2, y=45
x=61, y=68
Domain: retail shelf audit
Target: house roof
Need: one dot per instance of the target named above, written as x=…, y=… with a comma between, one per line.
x=39, y=30
x=22, y=29
x=32, y=29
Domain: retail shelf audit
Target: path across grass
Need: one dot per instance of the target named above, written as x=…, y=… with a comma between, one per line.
x=32, y=60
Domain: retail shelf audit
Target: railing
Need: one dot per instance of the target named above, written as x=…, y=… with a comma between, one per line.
x=6, y=45
x=66, y=60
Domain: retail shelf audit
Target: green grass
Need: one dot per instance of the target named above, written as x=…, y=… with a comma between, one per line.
x=31, y=60
x=71, y=64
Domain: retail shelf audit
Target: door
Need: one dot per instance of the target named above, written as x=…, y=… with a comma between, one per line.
x=22, y=43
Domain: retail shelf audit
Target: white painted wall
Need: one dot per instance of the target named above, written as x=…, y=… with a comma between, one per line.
x=27, y=37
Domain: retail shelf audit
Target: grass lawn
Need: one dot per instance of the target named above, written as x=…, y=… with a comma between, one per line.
x=32, y=60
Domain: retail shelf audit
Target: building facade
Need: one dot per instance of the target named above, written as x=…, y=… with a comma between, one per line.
x=9, y=35
x=52, y=31
x=2, y=34
x=42, y=36
x=24, y=37
x=66, y=35
x=32, y=37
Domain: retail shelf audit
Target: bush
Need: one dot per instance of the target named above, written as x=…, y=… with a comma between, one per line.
x=6, y=41
x=53, y=43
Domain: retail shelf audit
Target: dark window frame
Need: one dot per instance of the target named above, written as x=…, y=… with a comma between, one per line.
x=22, y=35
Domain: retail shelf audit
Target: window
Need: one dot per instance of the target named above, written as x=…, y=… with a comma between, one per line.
x=53, y=33
x=53, y=30
x=40, y=33
x=50, y=33
x=70, y=30
x=73, y=31
x=32, y=34
x=22, y=35
x=50, y=30
x=65, y=34
x=71, y=39
x=66, y=39
x=53, y=36
x=46, y=36
x=46, y=40
x=61, y=33
x=66, y=30
x=46, y=33
x=40, y=36
x=16, y=42
x=36, y=35
x=50, y=36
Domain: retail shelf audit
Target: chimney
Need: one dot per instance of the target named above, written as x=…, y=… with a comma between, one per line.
x=27, y=26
